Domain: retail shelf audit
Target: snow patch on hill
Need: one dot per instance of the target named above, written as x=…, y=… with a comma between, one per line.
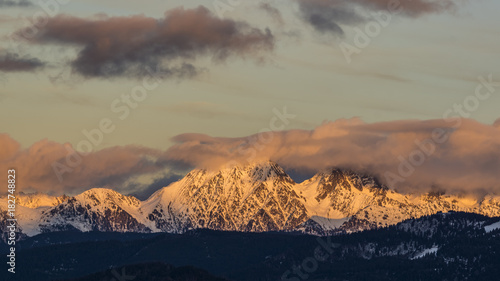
x=492, y=227
x=329, y=224
x=426, y=252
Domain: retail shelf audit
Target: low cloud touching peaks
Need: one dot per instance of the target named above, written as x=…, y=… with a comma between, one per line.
x=459, y=155
x=111, y=167
x=455, y=155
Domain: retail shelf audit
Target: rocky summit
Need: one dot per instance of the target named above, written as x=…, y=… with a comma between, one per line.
x=258, y=197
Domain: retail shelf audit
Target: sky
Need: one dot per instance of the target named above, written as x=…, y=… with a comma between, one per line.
x=165, y=86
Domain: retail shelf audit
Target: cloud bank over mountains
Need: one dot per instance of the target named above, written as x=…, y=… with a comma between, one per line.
x=455, y=155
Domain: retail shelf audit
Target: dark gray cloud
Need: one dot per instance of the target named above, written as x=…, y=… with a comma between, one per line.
x=15, y=3
x=328, y=16
x=411, y=8
x=14, y=63
x=129, y=46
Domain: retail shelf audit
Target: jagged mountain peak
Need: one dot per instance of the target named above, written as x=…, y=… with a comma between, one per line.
x=98, y=196
x=259, y=170
x=336, y=178
x=100, y=193
x=37, y=200
x=265, y=170
x=258, y=196
x=97, y=209
x=254, y=197
x=245, y=177
x=341, y=193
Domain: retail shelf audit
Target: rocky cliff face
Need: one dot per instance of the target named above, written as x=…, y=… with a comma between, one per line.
x=367, y=204
x=257, y=197
x=95, y=210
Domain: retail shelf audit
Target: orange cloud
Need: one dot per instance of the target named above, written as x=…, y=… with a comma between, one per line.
x=110, y=167
x=464, y=158
x=423, y=155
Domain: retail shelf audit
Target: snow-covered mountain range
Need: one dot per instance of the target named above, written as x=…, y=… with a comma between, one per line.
x=257, y=197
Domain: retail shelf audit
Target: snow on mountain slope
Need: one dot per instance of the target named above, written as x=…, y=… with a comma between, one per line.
x=39, y=200
x=27, y=219
x=36, y=200
x=414, y=206
x=492, y=227
x=489, y=206
x=336, y=194
x=321, y=225
x=428, y=236
x=339, y=194
x=258, y=197
x=95, y=209
x=431, y=251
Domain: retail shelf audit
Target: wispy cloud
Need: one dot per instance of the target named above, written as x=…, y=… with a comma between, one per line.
x=205, y=110
x=15, y=3
x=10, y=62
x=328, y=16
x=411, y=7
x=273, y=12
